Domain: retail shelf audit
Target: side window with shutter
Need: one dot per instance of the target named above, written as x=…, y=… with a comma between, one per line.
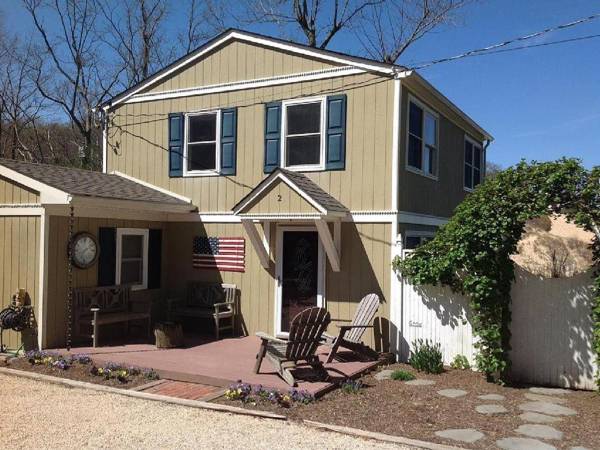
x=176, y=144
x=335, y=158
x=272, y=136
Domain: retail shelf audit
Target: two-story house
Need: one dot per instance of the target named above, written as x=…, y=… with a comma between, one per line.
x=295, y=173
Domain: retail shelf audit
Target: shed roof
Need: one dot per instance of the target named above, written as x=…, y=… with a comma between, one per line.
x=87, y=183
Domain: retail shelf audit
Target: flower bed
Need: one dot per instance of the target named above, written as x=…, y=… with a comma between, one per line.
x=80, y=367
x=253, y=395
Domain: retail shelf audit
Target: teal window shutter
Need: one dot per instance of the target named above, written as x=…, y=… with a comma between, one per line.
x=176, y=144
x=228, y=140
x=335, y=156
x=107, y=259
x=272, y=136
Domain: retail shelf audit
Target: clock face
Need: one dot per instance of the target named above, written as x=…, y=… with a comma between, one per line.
x=85, y=250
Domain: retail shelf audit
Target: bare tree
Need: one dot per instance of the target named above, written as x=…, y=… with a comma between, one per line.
x=318, y=20
x=134, y=32
x=68, y=69
x=204, y=19
x=387, y=29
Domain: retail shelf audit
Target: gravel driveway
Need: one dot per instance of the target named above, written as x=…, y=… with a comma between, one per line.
x=37, y=415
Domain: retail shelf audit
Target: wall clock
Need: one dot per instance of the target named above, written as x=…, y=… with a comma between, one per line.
x=84, y=250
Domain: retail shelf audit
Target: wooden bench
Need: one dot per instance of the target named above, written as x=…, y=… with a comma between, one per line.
x=97, y=306
x=207, y=301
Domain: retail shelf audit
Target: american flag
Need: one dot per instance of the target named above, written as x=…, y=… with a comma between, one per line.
x=226, y=254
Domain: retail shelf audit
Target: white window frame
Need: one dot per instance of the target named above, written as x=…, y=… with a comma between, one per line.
x=426, y=109
x=144, y=232
x=305, y=167
x=209, y=172
x=479, y=146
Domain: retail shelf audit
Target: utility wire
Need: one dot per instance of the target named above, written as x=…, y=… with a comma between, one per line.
x=493, y=48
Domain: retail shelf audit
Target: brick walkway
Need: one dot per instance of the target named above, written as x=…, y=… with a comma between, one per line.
x=182, y=389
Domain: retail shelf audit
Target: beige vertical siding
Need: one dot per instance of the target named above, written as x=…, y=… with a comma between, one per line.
x=57, y=270
x=139, y=147
x=239, y=61
x=19, y=269
x=280, y=198
x=365, y=269
x=424, y=195
x=11, y=192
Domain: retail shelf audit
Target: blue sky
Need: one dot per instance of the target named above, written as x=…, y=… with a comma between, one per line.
x=541, y=103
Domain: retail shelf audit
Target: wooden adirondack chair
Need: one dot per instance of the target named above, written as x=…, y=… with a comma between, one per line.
x=350, y=336
x=304, y=338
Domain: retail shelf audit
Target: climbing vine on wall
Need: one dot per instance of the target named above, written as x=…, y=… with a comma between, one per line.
x=471, y=253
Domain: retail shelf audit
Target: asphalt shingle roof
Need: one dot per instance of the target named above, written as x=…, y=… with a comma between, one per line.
x=80, y=182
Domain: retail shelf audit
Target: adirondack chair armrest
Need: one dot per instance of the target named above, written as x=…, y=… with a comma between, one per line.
x=341, y=320
x=327, y=339
x=219, y=305
x=266, y=337
x=349, y=327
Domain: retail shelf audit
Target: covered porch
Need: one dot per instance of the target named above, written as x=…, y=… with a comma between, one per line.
x=221, y=363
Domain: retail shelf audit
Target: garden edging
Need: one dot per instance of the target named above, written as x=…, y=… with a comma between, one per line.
x=141, y=395
x=379, y=436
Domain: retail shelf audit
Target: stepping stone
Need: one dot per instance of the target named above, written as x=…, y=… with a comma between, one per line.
x=468, y=435
x=492, y=397
x=420, y=382
x=452, y=393
x=538, y=418
x=549, y=391
x=384, y=375
x=580, y=448
x=545, y=398
x=551, y=409
x=539, y=431
x=515, y=443
x=491, y=409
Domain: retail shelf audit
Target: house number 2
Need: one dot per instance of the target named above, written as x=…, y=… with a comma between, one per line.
x=278, y=197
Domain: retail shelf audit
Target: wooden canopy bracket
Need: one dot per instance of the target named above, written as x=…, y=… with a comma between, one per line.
x=260, y=245
x=332, y=250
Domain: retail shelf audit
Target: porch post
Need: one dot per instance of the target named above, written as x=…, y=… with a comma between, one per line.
x=328, y=243
x=257, y=242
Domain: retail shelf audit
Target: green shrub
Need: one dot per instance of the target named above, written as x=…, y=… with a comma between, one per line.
x=427, y=357
x=402, y=375
x=460, y=362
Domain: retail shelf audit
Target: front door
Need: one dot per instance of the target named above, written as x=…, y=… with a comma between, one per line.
x=299, y=274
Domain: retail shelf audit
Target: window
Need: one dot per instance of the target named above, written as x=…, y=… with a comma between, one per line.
x=303, y=143
x=422, y=139
x=202, y=143
x=415, y=239
x=473, y=164
x=132, y=257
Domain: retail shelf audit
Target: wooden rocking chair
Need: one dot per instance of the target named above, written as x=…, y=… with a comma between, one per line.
x=350, y=336
x=304, y=338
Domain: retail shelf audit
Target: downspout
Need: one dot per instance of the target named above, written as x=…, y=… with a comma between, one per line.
x=485, y=146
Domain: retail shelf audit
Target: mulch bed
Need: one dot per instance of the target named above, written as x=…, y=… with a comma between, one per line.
x=392, y=407
x=78, y=372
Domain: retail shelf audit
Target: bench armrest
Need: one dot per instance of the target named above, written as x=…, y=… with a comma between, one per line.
x=266, y=337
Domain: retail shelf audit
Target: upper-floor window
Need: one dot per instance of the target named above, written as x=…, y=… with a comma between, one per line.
x=415, y=239
x=303, y=143
x=473, y=164
x=422, y=139
x=201, y=151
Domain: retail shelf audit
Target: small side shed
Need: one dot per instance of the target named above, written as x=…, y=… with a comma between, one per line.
x=41, y=208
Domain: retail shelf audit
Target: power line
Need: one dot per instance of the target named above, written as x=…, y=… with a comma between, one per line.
x=543, y=44
x=490, y=49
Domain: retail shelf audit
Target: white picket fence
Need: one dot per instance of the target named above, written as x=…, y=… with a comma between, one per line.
x=551, y=328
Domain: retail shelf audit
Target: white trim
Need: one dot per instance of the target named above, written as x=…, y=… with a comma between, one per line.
x=421, y=219
x=322, y=134
x=48, y=194
x=248, y=84
x=331, y=248
x=104, y=142
x=151, y=186
x=267, y=42
x=134, y=205
x=208, y=172
x=258, y=243
x=279, y=267
x=43, y=281
x=144, y=232
x=228, y=217
x=291, y=184
x=426, y=110
x=396, y=142
x=21, y=210
x=480, y=147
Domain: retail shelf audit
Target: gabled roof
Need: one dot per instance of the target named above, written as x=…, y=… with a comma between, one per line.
x=267, y=41
x=86, y=183
x=325, y=204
